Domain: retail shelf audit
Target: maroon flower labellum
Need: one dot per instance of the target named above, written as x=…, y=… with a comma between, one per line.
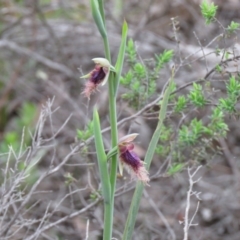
x=131, y=160
x=99, y=75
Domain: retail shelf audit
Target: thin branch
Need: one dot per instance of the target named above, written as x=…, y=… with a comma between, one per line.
x=190, y=192
x=53, y=224
x=202, y=49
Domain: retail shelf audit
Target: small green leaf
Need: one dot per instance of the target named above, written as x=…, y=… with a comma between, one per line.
x=196, y=95
x=163, y=58
x=234, y=26
x=218, y=68
x=181, y=104
x=102, y=158
x=226, y=56
x=189, y=135
x=208, y=11
x=227, y=104
x=177, y=167
x=87, y=133
x=217, y=127
x=131, y=52
x=233, y=87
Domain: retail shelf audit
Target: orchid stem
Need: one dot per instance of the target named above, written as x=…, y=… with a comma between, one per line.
x=114, y=137
x=99, y=17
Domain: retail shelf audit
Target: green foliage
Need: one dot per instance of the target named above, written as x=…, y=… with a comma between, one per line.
x=163, y=58
x=28, y=114
x=175, y=168
x=189, y=135
x=131, y=52
x=69, y=179
x=180, y=104
x=226, y=55
x=17, y=137
x=141, y=77
x=233, y=27
x=94, y=195
x=27, y=117
x=233, y=87
x=87, y=133
x=12, y=139
x=31, y=170
x=194, y=137
x=217, y=127
x=233, y=92
x=227, y=104
x=218, y=68
x=196, y=95
x=44, y=2
x=163, y=147
x=218, y=52
x=208, y=11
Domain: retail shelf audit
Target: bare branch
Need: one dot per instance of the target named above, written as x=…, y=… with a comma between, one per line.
x=190, y=192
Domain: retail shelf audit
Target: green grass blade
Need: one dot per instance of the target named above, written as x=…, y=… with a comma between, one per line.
x=104, y=176
x=102, y=158
x=129, y=227
x=121, y=54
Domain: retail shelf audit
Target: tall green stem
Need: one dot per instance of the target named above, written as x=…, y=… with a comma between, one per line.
x=99, y=17
x=113, y=119
x=114, y=136
x=108, y=220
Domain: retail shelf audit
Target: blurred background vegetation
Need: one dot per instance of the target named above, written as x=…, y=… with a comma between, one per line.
x=46, y=45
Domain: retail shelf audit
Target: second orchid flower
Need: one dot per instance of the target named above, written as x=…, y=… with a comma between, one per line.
x=131, y=160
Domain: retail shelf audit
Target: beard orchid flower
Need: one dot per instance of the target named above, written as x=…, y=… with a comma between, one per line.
x=131, y=160
x=99, y=75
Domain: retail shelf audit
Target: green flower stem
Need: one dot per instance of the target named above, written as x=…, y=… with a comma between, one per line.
x=107, y=52
x=114, y=138
x=112, y=93
x=114, y=132
x=99, y=17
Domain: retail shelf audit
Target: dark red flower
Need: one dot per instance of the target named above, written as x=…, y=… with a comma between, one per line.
x=131, y=160
x=99, y=75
